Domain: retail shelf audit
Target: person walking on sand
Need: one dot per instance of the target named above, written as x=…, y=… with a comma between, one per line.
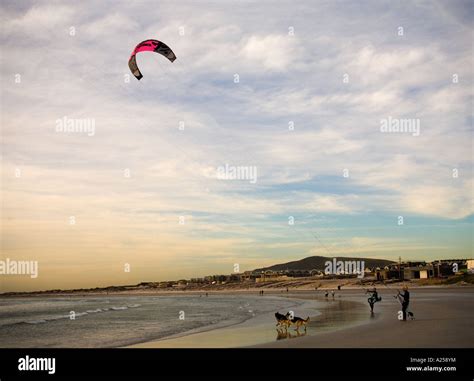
x=332, y=293
x=405, y=301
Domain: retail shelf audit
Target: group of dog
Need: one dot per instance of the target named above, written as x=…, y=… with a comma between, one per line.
x=285, y=321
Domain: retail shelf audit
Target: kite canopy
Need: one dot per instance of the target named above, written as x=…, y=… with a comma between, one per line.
x=149, y=46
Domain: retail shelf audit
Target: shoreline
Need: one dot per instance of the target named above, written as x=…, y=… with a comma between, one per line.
x=444, y=317
x=251, y=331
x=443, y=320
x=235, y=291
x=226, y=324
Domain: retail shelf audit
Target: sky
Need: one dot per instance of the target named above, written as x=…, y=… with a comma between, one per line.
x=295, y=91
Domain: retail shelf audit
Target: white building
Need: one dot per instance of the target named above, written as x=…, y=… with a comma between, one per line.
x=470, y=266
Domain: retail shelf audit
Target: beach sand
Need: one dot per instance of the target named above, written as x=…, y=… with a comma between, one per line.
x=444, y=319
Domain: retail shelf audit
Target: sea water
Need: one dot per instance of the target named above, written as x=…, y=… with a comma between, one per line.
x=113, y=321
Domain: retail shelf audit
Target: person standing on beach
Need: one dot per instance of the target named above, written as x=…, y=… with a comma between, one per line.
x=405, y=302
x=374, y=298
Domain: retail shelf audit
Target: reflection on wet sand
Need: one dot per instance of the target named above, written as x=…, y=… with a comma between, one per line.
x=337, y=314
x=340, y=313
x=288, y=334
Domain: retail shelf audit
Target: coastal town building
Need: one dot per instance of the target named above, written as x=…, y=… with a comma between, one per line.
x=409, y=270
x=418, y=272
x=470, y=266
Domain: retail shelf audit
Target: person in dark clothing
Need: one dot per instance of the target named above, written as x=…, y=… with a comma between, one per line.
x=374, y=298
x=405, y=302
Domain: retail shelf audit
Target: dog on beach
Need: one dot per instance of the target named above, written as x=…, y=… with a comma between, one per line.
x=285, y=321
x=299, y=322
x=282, y=320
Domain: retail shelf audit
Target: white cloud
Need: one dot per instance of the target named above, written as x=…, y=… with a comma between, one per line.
x=274, y=52
x=283, y=78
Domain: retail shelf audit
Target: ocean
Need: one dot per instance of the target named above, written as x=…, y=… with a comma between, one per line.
x=115, y=321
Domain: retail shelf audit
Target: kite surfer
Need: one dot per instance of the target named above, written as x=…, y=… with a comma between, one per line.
x=374, y=298
x=405, y=301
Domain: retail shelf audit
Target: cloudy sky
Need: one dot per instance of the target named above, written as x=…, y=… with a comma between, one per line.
x=297, y=91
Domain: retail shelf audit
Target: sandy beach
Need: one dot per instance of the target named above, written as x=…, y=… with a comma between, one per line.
x=443, y=319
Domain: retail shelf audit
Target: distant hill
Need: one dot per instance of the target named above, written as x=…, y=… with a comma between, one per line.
x=317, y=263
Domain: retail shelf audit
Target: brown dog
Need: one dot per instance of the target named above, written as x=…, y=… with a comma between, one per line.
x=299, y=322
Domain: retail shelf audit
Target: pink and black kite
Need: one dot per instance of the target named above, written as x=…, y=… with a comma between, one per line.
x=149, y=46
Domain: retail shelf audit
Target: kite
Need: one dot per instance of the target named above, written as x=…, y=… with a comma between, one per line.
x=149, y=46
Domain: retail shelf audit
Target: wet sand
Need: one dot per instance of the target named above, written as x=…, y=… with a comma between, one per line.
x=444, y=319
x=256, y=330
